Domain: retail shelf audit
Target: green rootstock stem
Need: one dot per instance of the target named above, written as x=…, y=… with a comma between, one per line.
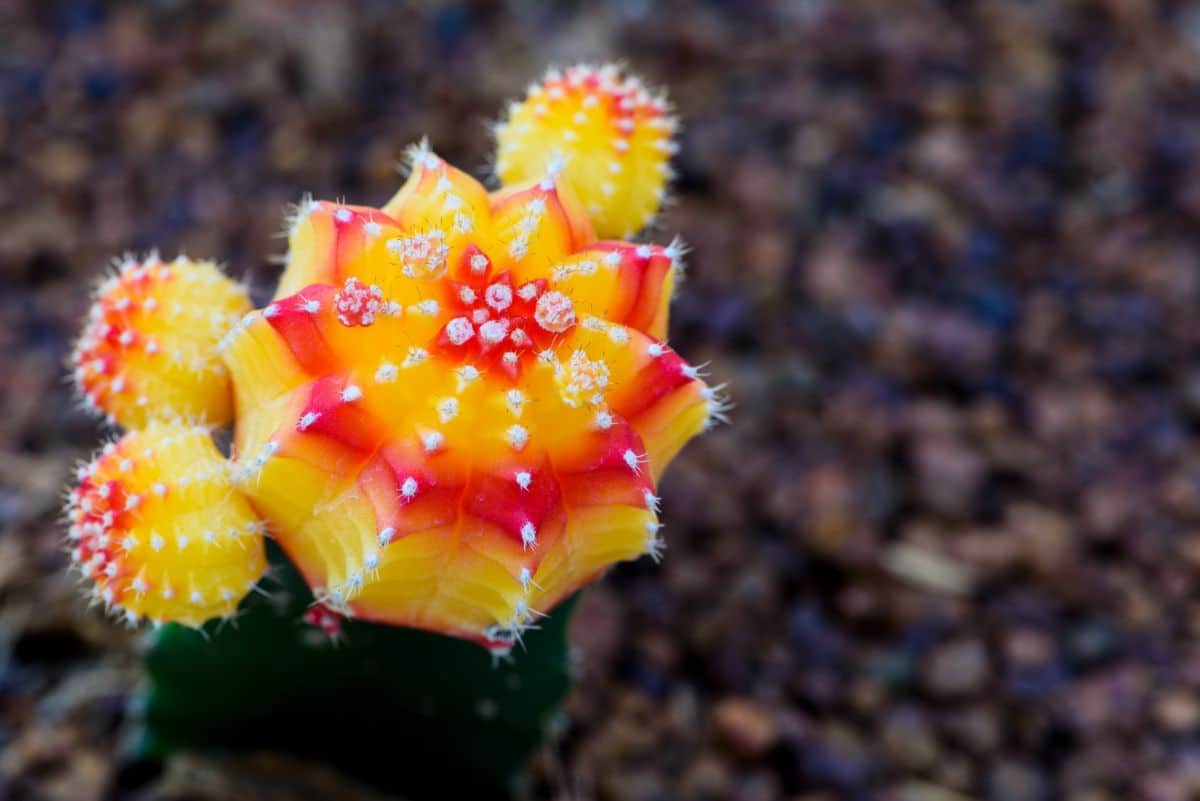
x=408, y=711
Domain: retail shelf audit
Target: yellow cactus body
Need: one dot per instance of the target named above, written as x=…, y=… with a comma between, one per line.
x=459, y=419
x=148, y=350
x=159, y=531
x=609, y=136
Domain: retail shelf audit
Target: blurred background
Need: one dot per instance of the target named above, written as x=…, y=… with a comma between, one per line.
x=946, y=254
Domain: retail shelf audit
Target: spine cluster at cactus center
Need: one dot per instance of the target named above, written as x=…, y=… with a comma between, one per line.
x=452, y=415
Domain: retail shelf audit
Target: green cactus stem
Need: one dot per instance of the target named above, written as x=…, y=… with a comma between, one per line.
x=406, y=710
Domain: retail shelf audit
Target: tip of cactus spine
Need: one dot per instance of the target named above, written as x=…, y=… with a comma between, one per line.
x=655, y=548
x=717, y=405
x=528, y=536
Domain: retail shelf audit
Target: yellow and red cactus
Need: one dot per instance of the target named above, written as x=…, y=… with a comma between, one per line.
x=159, y=531
x=149, y=348
x=455, y=411
x=610, y=136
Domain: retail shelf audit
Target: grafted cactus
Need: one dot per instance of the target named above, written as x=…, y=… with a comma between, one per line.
x=451, y=417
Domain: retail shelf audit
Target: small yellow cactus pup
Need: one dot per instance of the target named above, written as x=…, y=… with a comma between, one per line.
x=159, y=531
x=609, y=136
x=149, y=348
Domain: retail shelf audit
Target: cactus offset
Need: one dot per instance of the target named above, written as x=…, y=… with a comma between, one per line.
x=159, y=530
x=455, y=411
x=611, y=138
x=148, y=351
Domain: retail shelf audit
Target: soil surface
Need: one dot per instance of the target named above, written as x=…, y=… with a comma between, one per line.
x=946, y=255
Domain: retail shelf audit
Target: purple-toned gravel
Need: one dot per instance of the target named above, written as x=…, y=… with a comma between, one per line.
x=947, y=256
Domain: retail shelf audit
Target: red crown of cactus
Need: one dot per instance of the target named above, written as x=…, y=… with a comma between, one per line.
x=455, y=411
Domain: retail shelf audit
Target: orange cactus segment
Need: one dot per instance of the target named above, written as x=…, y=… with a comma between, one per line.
x=668, y=425
x=332, y=410
x=297, y=319
x=445, y=206
x=541, y=218
x=407, y=495
x=160, y=532
x=326, y=240
x=352, y=247
x=436, y=191
x=597, y=538
x=608, y=470
x=265, y=378
x=323, y=424
x=149, y=349
x=663, y=397
x=624, y=283
x=610, y=136
x=519, y=508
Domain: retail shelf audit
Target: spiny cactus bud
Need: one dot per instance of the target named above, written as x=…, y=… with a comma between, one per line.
x=610, y=137
x=149, y=348
x=461, y=418
x=159, y=531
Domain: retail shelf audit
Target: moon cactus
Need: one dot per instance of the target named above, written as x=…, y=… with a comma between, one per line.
x=452, y=415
